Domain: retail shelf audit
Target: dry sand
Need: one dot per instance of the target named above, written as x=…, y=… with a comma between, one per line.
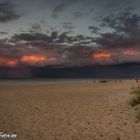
x=69, y=111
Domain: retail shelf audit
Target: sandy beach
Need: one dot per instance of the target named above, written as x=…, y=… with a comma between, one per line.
x=69, y=111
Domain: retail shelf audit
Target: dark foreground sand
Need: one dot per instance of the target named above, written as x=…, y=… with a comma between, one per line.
x=69, y=111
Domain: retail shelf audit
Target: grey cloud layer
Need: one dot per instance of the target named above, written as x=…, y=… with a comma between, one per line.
x=7, y=11
x=76, y=50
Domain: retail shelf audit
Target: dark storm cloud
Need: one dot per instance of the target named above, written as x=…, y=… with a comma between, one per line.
x=108, y=48
x=123, y=30
x=35, y=28
x=115, y=38
x=31, y=37
x=54, y=37
x=119, y=32
x=63, y=37
x=120, y=43
x=7, y=11
x=39, y=50
x=127, y=23
x=114, y=41
x=93, y=29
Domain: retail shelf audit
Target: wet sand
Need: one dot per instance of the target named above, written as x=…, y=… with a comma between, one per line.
x=69, y=111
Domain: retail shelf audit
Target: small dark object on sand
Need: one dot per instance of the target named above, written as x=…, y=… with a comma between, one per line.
x=104, y=81
x=137, y=80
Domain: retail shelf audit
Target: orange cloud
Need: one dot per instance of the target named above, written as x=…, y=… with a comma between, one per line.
x=11, y=63
x=101, y=55
x=131, y=52
x=32, y=58
x=4, y=61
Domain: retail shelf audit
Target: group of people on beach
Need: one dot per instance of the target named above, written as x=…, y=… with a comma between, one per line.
x=107, y=81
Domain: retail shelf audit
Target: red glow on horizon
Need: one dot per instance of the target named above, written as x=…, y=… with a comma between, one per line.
x=131, y=52
x=32, y=58
x=101, y=55
x=12, y=63
x=4, y=61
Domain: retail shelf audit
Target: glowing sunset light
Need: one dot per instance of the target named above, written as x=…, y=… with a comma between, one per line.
x=4, y=61
x=32, y=58
x=11, y=63
x=131, y=52
x=101, y=55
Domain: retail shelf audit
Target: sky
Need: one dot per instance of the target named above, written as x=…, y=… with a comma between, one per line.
x=68, y=34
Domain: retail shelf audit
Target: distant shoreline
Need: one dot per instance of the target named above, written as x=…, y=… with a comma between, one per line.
x=44, y=81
